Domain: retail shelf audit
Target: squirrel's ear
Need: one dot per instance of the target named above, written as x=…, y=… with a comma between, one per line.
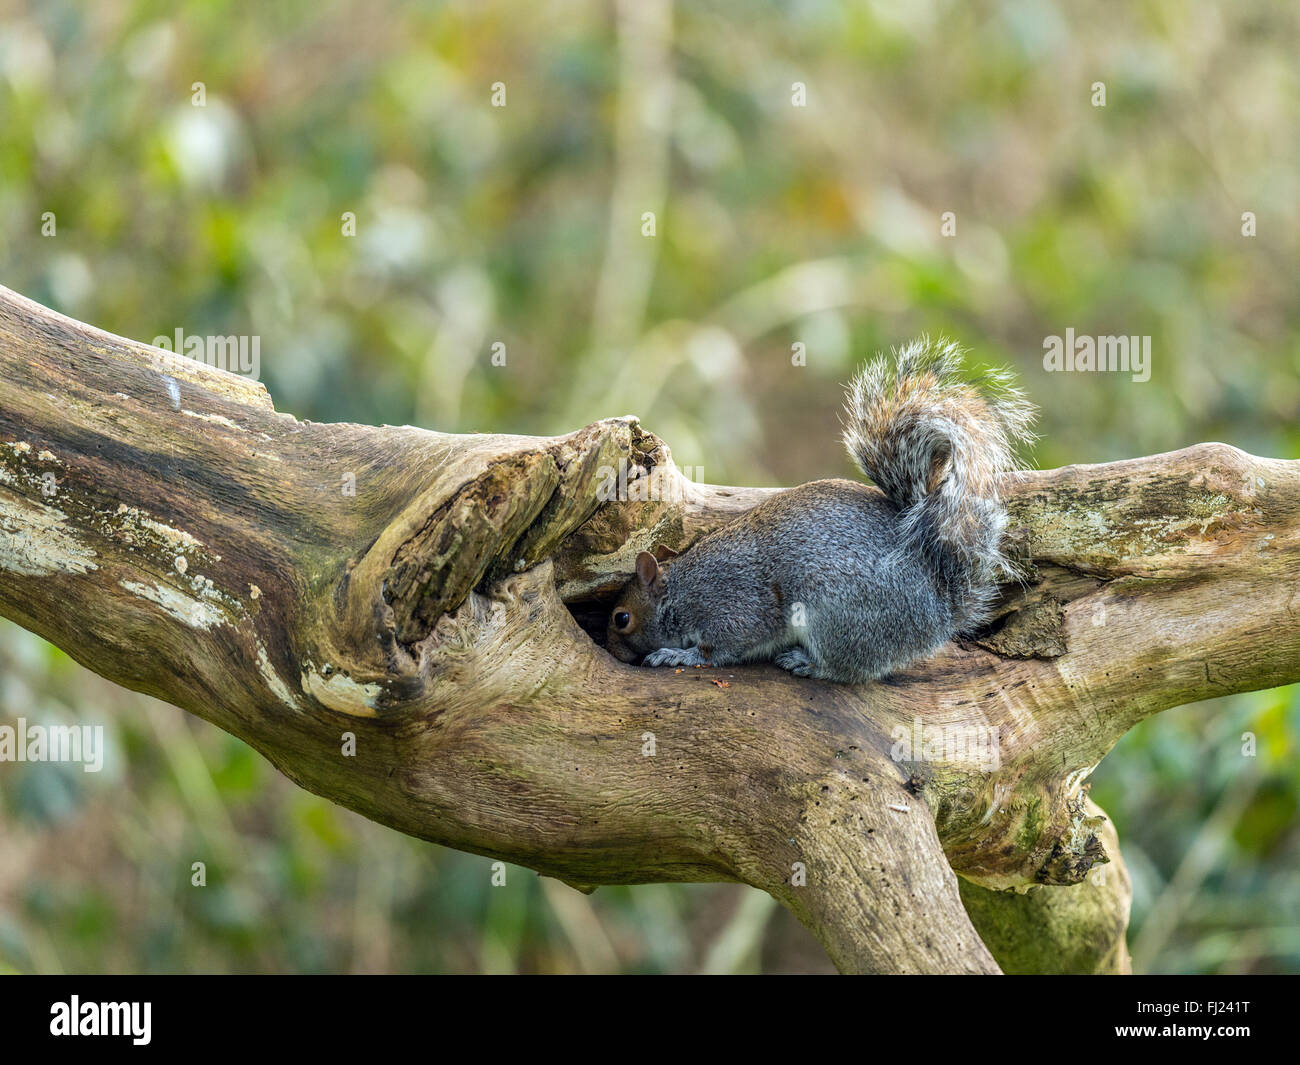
x=647, y=568
x=663, y=554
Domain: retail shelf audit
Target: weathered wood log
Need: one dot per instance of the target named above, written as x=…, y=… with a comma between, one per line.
x=439, y=597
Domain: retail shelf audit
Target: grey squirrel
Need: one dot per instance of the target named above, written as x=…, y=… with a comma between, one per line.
x=833, y=580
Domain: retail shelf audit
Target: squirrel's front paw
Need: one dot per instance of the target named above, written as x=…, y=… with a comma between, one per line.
x=674, y=656
x=796, y=660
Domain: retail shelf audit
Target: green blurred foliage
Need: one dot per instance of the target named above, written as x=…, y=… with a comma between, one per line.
x=775, y=225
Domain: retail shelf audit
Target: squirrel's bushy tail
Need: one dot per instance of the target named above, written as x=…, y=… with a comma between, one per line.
x=935, y=443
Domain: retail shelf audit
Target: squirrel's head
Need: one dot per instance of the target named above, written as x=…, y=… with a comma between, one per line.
x=633, y=632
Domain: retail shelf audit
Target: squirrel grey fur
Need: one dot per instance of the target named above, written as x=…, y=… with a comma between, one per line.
x=836, y=581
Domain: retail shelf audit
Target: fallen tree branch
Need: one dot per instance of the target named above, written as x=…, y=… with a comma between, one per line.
x=164, y=525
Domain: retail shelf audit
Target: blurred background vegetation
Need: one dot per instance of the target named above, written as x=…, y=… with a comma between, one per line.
x=776, y=225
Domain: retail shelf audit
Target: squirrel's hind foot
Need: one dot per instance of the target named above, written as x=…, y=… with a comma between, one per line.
x=796, y=660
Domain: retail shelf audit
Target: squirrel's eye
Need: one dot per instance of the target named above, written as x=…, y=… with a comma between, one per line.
x=622, y=620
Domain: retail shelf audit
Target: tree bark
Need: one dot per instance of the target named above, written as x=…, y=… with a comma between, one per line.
x=439, y=599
